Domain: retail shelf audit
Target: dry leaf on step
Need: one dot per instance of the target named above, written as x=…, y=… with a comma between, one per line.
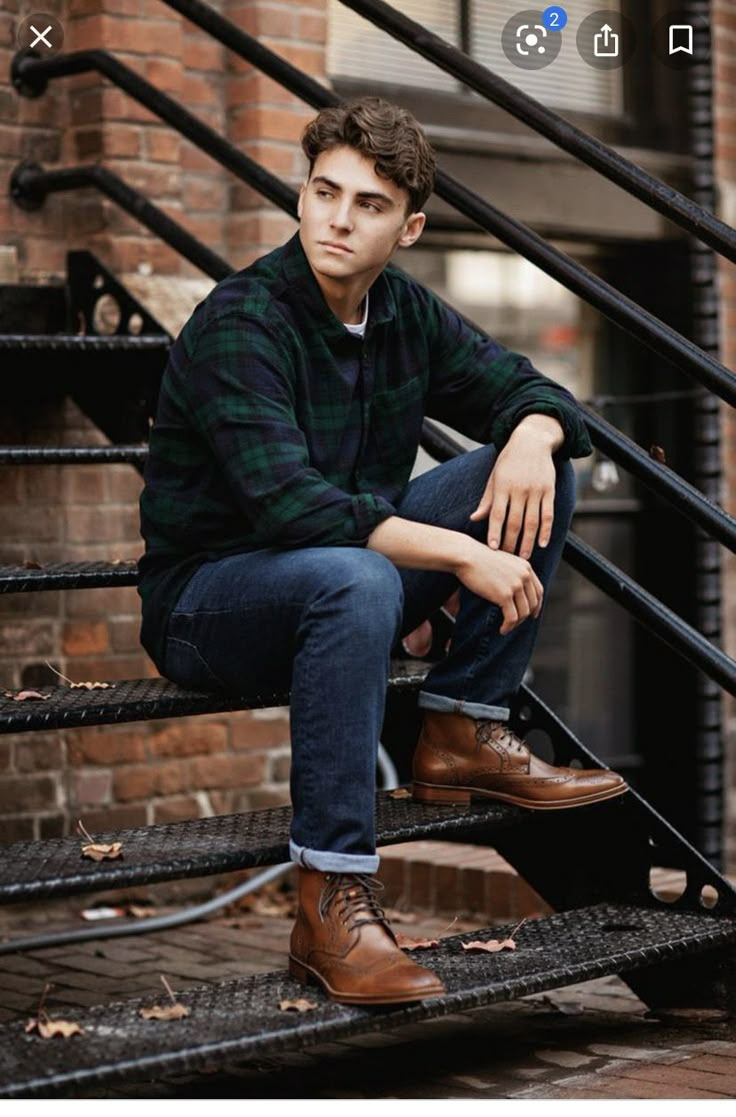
x=47, y=1028
x=165, y=1012
x=174, y=1011
x=407, y=942
x=400, y=793
x=491, y=946
x=24, y=695
x=301, y=1004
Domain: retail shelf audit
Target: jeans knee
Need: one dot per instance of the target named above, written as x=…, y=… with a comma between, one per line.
x=367, y=586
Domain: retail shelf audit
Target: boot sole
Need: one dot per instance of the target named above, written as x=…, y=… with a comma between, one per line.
x=442, y=793
x=306, y=976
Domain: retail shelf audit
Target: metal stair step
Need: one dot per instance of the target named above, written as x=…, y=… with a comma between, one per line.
x=240, y=1019
x=84, y=343
x=72, y=455
x=127, y=700
x=67, y=576
x=200, y=847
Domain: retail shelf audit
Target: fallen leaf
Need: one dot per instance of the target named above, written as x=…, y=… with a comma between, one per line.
x=91, y=686
x=165, y=1012
x=301, y=1004
x=31, y=564
x=491, y=945
x=658, y=454
x=174, y=1011
x=47, y=1028
x=99, y=851
x=407, y=942
x=400, y=793
x=24, y=695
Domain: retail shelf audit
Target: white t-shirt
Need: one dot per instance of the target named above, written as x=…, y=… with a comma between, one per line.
x=357, y=329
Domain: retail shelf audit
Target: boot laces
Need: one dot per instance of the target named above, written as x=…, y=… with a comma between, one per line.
x=356, y=895
x=499, y=732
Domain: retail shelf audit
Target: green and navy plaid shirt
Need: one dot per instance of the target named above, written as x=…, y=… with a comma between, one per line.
x=278, y=428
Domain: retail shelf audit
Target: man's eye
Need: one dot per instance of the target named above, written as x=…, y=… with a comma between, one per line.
x=371, y=206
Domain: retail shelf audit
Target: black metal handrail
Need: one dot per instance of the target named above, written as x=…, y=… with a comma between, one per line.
x=629, y=176
x=30, y=184
x=30, y=75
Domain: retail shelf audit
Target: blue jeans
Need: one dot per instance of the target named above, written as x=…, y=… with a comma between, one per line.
x=321, y=622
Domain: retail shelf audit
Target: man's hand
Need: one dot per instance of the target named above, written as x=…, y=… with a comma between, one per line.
x=520, y=492
x=506, y=580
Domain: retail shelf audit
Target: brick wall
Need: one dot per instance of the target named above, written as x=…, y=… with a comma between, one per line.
x=130, y=775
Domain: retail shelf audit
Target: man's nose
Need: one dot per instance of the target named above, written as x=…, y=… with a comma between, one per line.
x=341, y=218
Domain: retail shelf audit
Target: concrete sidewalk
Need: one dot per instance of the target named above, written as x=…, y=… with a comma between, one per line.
x=593, y=1040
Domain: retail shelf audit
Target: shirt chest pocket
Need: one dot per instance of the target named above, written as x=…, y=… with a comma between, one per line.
x=396, y=422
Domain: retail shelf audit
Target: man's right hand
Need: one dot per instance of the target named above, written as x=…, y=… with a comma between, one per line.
x=505, y=579
x=498, y=576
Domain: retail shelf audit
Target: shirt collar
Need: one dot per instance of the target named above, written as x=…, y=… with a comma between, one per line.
x=300, y=277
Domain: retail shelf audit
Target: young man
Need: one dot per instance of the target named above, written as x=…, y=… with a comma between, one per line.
x=286, y=546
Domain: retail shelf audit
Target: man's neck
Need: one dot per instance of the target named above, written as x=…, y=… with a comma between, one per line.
x=345, y=298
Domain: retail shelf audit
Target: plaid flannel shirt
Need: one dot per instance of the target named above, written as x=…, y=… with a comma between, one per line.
x=276, y=427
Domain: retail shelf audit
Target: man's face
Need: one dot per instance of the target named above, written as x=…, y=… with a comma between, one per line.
x=352, y=220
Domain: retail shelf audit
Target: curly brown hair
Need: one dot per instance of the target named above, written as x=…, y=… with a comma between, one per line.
x=382, y=131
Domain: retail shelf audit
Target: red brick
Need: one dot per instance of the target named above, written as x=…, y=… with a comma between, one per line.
x=30, y=638
x=201, y=193
x=90, y=788
x=201, y=53
x=152, y=779
x=85, y=638
x=114, y=818
x=112, y=601
x=16, y=829
x=176, y=810
x=39, y=752
x=226, y=771
x=167, y=75
x=84, y=485
x=124, y=634
x=189, y=738
x=27, y=793
x=104, y=746
x=250, y=733
x=162, y=146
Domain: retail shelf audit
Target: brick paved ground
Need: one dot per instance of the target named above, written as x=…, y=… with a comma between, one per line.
x=587, y=1041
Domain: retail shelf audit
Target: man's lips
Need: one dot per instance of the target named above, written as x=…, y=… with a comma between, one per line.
x=334, y=244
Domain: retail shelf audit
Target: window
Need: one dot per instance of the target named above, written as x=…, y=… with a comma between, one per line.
x=358, y=50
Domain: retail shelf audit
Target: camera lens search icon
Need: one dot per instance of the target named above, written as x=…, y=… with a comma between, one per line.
x=527, y=43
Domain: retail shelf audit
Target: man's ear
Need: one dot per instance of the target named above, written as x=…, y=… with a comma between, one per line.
x=412, y=229
x=300, y=203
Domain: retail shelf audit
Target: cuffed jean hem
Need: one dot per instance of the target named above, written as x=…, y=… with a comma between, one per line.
x=476, y=710
x=326, y=862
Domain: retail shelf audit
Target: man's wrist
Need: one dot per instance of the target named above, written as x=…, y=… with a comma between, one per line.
x=542, y=428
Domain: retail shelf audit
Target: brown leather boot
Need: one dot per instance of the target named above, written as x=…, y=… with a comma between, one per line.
x=458, y=757
x=342, y=940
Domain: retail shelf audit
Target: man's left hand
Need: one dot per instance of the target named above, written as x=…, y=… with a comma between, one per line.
x=519, y=497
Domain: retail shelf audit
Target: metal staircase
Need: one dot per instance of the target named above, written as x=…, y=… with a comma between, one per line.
x=592, y=865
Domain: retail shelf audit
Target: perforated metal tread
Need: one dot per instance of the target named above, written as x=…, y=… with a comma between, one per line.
x=147, y=699
x=84, y=343
x=55, y=867
x=241, y=1018
x=66, y=576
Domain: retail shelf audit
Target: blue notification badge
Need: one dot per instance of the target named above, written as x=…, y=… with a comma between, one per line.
x=554, y=18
